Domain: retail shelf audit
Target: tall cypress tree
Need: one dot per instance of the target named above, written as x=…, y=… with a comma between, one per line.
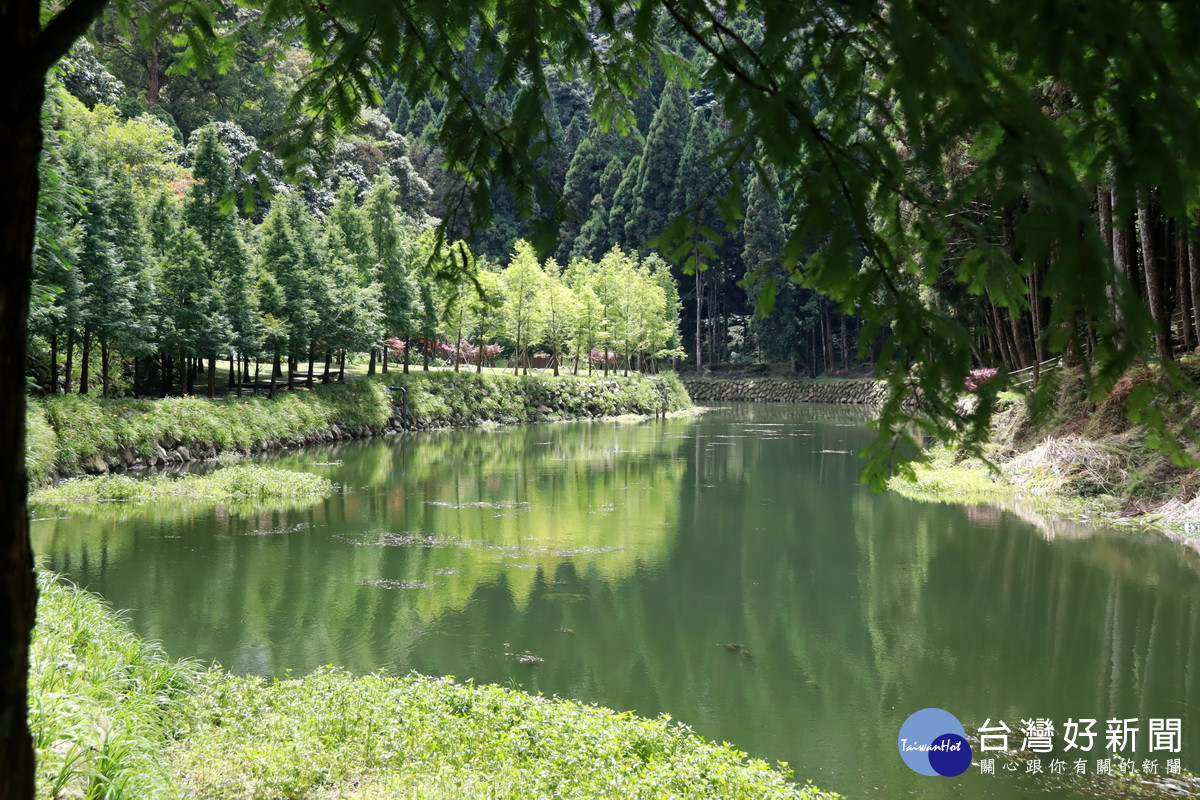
x=280, y=257
x=776, y=325
x=136, y=337
x=601, y=155
x=620, y=217
x=660, y=166
x=105, y=290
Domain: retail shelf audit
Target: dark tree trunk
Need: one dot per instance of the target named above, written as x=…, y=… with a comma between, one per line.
x=54, y=362
x=371, y=366
x=328, y=366
x=21, y=143
x=1193, y=253
x=406, y=358
x=1184, y=289
x=69, y=366
x=845, y=346
x=384, y=359
x=84, y=361
x=152, y=84
x=342, y=366
x=291, y=371
x=698, y=304
x=212, y=377
x=312, y=360
x=104, y=367
x=1154, y=289
x=233, y=381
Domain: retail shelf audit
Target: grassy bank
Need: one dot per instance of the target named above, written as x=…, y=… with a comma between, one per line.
x=1086, y=460
x=445, y=398
x=71, y=434
x=114, y=717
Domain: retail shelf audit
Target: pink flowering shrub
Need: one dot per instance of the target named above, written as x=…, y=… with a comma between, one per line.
x=602, y=356
x=978, y=377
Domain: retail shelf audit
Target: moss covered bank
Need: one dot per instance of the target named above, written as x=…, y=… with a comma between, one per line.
x=71, y=434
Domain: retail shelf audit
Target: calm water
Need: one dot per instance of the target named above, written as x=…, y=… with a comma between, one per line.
x=626, y=555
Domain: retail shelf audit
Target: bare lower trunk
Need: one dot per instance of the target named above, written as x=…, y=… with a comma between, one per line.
x=20, y=142
x=212, y=376
x=312, y=356
x=1183, y=289
x=54, y=362
x=698, y=304
x=69, y=366
x=84, y=362
x=1194, y=273
x=104, y=367
x=371, y=366
x=1154, y=289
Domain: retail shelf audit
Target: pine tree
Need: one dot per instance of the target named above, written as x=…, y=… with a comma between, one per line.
x=280, y=257
x=655, y=190
x=560, y=309
x=620, y=217
x=209, y=203
x=137, y=336
x=105, y=290
x=600, y=154
x=395, y=256
x=776, y=325
x=193, y=323
x=700, y=181
x=523, y=278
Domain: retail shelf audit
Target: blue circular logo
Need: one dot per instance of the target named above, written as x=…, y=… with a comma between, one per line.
x=933, y=742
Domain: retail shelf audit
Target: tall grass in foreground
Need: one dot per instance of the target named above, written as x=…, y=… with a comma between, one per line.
x=102, y=701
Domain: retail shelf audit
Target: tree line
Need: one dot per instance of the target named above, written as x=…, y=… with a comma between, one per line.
x=157, y=279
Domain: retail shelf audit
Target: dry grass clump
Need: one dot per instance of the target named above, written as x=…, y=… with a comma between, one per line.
x=1070, y=466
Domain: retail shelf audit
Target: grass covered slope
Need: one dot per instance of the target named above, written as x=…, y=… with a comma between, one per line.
x=1083, y=459
x=69, y=434
x=114, y=717
x=445, y=398
x=96, y=434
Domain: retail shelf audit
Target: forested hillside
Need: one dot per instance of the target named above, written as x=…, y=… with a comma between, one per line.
x=169, y=237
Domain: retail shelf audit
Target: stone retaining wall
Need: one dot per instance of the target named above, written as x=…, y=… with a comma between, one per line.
x=863, y=391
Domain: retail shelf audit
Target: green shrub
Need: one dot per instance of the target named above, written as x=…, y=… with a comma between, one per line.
x=333, y=734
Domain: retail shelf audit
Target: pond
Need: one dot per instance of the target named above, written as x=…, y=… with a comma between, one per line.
x=727, y=569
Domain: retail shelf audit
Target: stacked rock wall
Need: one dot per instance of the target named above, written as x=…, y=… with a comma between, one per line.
x=782, y=390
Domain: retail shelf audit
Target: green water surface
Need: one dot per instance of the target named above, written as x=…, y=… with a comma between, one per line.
x=613, y=563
